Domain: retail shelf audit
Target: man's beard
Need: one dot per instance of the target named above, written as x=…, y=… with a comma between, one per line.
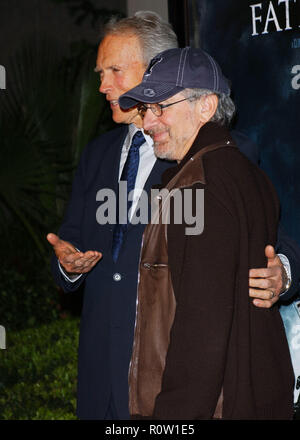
x=162, y=153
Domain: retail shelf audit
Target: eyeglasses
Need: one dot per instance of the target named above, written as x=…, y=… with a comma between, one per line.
x=157, y=109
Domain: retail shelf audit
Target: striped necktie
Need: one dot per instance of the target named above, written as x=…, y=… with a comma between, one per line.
x=128, y=175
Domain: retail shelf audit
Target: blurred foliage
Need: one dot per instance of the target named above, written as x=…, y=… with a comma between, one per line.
x=29, y=298
x=49, y=111
x=87, y=10
x=25, y=302
x=38, y=373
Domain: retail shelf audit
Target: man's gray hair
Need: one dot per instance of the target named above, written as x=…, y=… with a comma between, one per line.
x=225, y=110
x=154, y=34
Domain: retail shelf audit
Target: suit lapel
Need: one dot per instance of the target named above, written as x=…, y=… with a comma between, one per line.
x=109, y=169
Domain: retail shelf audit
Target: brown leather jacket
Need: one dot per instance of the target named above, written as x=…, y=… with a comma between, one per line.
x=160, y=383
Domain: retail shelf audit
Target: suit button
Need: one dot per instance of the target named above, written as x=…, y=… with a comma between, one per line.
x=117, y=277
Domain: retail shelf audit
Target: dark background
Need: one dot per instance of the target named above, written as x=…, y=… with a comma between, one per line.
x=62, y=21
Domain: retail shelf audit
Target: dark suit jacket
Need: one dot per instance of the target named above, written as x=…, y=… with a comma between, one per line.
x=108, y=315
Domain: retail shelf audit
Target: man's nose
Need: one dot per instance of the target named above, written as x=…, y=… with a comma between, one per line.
x=150, y=120
x=105, y=85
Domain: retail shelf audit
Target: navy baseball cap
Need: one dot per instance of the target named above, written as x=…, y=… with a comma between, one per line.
x=174, y=70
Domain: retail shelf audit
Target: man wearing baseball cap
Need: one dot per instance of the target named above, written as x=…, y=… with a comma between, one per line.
x=201, y=349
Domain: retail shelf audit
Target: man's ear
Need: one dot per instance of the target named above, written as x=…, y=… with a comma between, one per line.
x=207, y=107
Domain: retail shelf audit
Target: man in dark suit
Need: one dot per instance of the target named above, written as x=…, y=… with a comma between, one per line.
x=108, y=315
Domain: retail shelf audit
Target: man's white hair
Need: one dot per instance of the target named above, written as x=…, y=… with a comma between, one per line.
x=155, y=35
x=225, y=110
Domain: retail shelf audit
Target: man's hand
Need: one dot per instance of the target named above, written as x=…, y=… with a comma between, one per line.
x=71, y=260
x=266, y=284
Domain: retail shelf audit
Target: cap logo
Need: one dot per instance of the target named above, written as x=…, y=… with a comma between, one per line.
x=153, y=62
x=149, y=92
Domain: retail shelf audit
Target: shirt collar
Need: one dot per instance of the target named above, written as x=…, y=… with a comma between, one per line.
x=132, y=129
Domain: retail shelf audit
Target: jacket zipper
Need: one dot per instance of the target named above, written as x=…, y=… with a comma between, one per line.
x=154, y=265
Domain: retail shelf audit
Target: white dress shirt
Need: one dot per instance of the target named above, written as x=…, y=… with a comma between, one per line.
x=147, y=161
